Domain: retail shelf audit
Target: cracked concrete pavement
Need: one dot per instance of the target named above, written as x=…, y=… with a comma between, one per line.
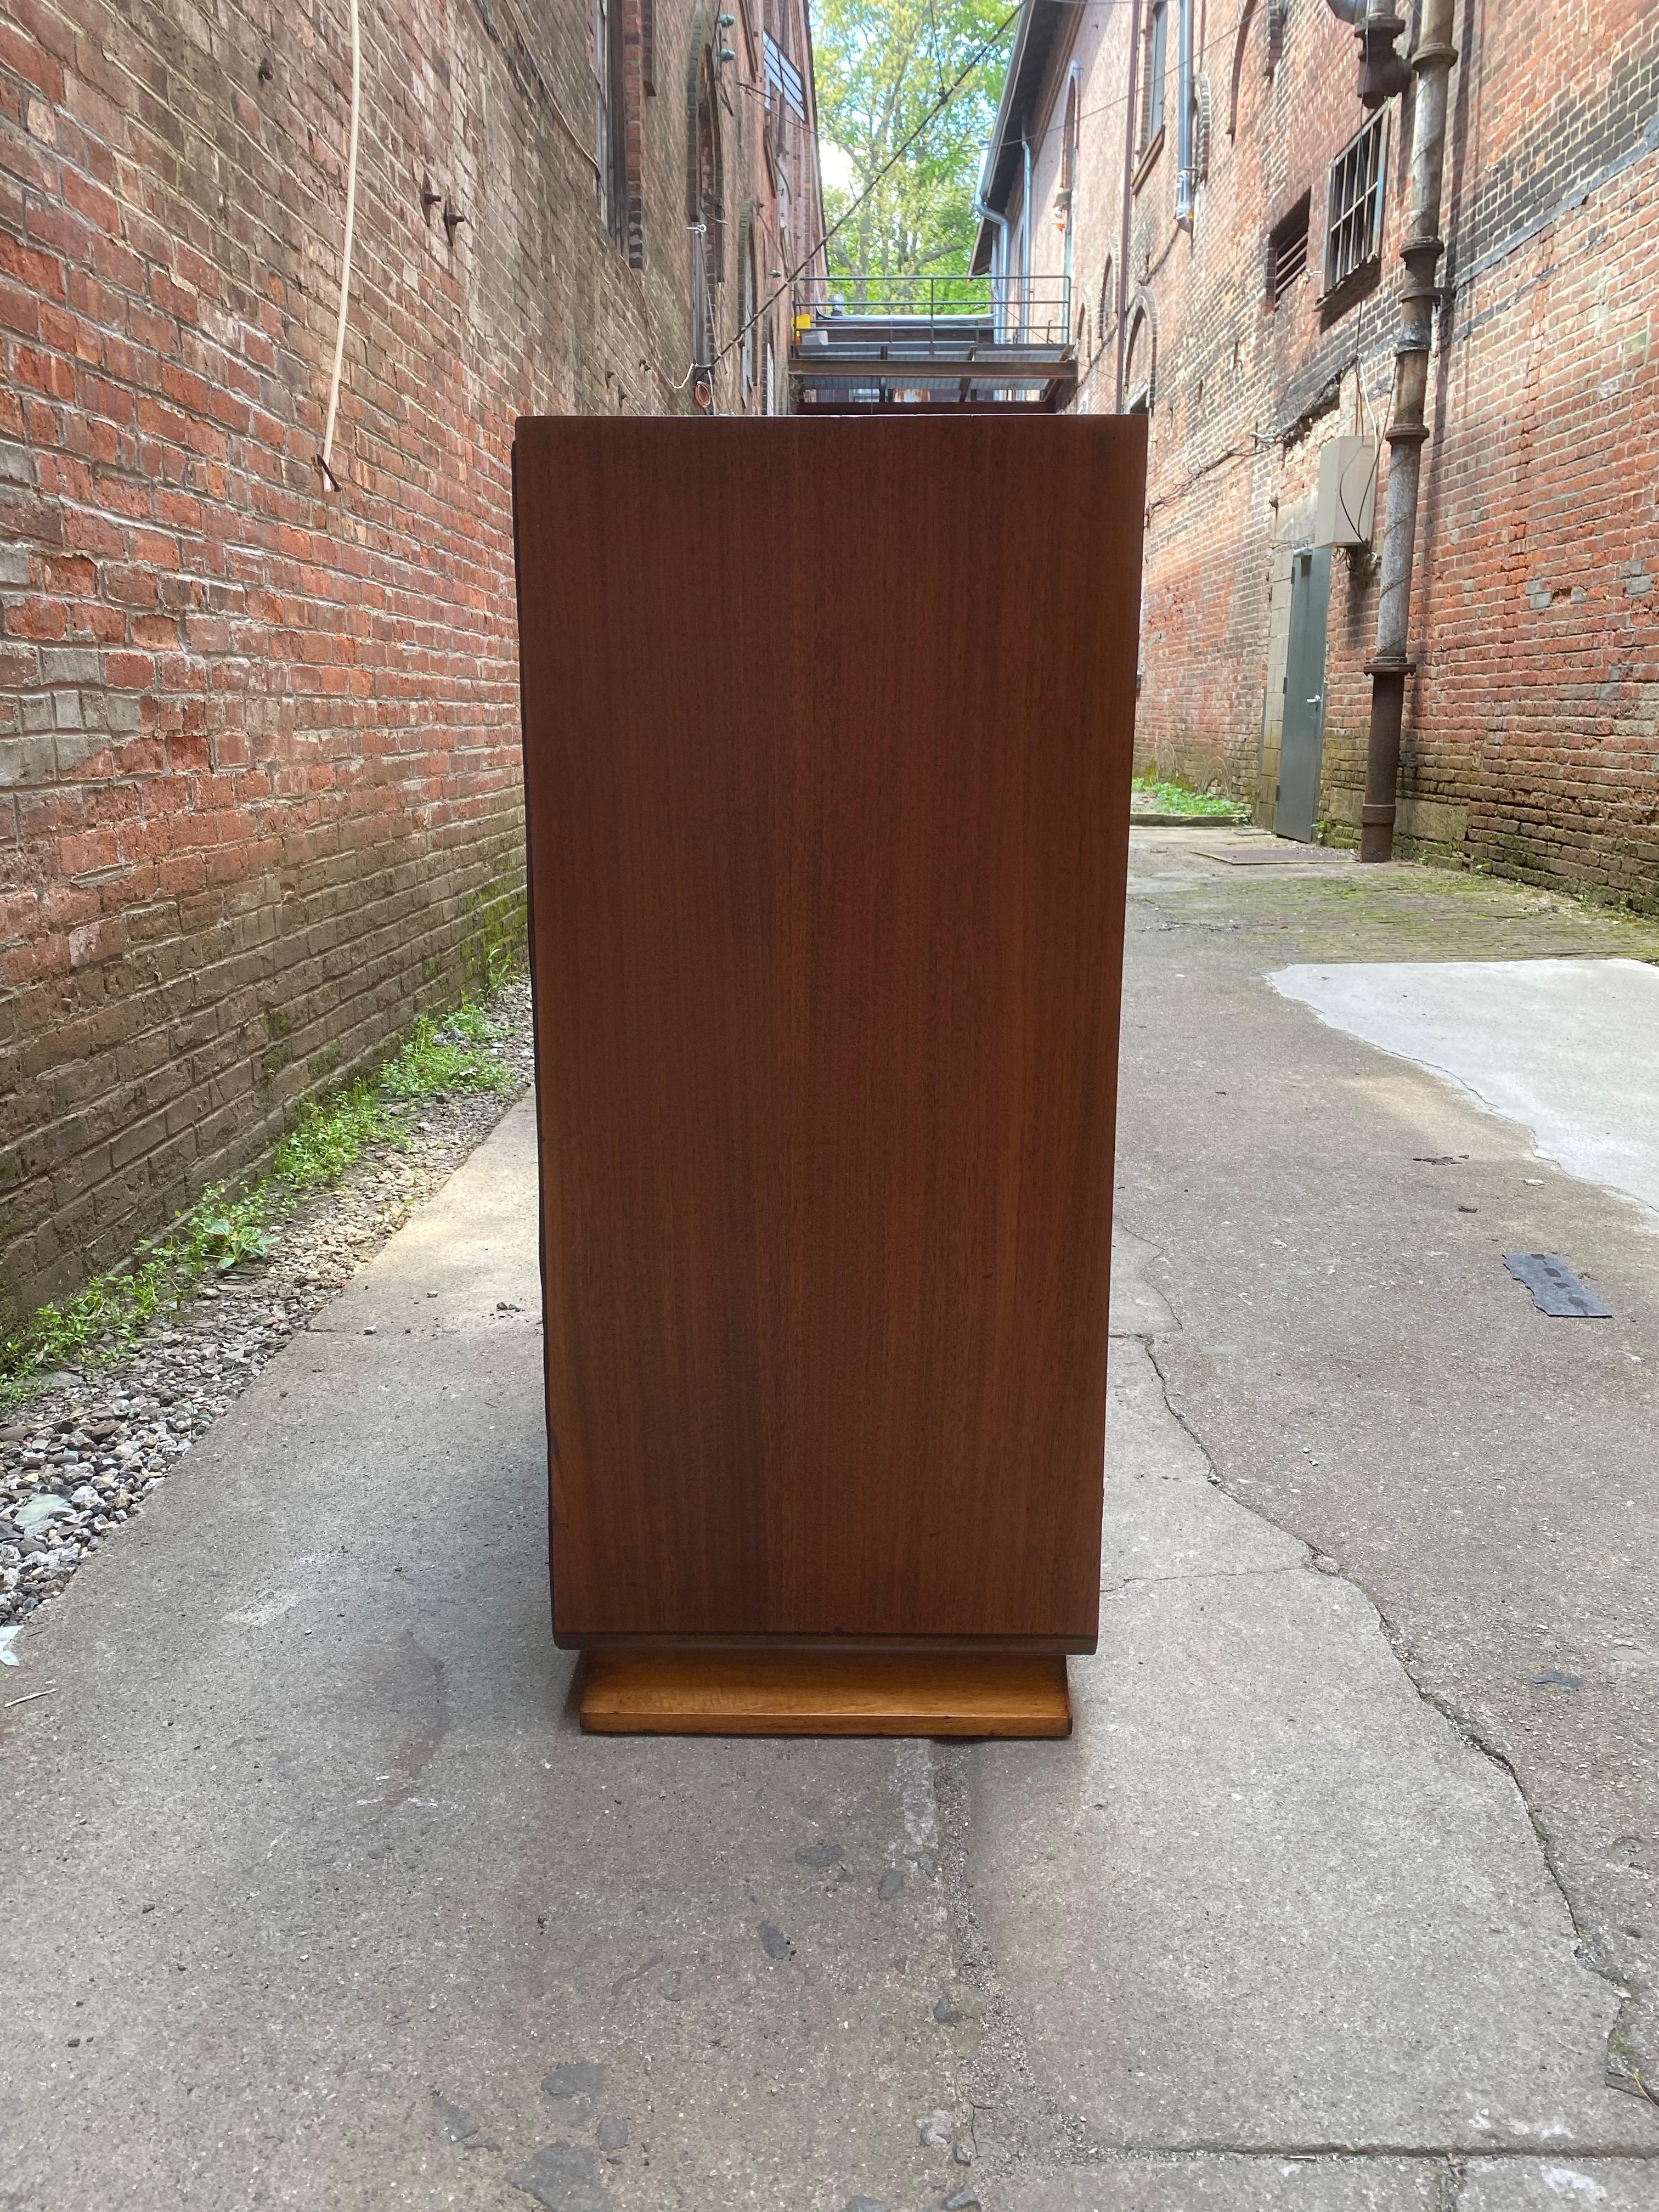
x=316, y=1896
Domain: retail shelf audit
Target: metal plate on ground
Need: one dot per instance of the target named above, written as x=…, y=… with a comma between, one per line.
x=1555, y=1288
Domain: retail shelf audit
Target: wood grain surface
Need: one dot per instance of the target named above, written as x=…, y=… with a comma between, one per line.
x=827, y=748
x=809, y=1693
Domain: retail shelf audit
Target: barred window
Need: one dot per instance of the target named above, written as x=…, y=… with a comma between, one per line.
x=1353, y=228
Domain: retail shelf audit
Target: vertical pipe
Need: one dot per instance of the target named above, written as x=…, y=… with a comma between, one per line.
x=1025, y=246
x=1130, y=123
x=1184, y=182
x=1066, y=333
x=1407, y=429
x=999, y=264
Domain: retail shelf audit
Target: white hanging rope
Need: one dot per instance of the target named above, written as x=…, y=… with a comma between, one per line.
x=326, y=455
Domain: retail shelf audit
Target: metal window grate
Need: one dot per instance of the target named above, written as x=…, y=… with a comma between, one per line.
x=782, y=76
x=1353, y=229
x=1288, y=251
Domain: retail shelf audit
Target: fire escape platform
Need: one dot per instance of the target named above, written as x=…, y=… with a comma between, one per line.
x=853, y=364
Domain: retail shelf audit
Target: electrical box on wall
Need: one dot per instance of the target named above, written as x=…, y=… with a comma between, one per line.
x=1347, y=492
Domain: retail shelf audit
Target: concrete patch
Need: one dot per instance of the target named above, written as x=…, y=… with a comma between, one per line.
x=264, y=1610
x=1568, y=1047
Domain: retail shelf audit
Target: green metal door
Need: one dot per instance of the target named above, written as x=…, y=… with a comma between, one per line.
x=1303, y=726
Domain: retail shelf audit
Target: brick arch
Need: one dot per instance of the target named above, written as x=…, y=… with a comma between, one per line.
x=1141, y=350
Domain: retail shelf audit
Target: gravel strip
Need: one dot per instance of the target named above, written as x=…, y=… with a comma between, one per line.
x=78, y=1459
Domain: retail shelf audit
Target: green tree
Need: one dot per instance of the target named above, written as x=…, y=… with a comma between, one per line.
x=881, y=66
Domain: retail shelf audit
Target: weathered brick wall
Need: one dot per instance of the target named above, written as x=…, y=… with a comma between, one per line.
x=1537, y=713
x=1530, y=740
x=258, y=781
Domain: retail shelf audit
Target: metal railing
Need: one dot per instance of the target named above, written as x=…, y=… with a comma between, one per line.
x=1012, y=310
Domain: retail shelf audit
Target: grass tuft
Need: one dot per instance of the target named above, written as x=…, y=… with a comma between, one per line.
x=455, y=1057
x=328, y=1138
x=224, y=1229
x=1169, y=796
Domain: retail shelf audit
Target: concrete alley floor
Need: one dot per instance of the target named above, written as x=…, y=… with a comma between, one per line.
x=1344, y=1896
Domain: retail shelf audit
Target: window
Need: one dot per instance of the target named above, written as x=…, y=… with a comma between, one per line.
x=749, y=304
x=609, y=135
x=1353, y=230
x=1067, y=192
x=706, y=212
x=783, y=79
x=710, y=186
x=1288, y=251
x=1107, y=315
x=1138, y=367
x=1151, y=100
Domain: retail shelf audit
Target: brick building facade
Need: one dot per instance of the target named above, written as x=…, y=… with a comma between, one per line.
x=259, y=790
x=1264, y=327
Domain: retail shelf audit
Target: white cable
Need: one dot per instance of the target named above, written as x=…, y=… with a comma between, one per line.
x=346, y=250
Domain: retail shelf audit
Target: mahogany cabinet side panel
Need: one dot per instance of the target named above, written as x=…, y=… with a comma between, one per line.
x=827, y=732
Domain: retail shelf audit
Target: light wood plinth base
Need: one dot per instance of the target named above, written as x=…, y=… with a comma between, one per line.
x=687, y=1693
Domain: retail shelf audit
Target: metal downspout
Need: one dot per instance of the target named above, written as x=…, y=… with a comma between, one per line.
x=1130, y=123
x=1025, y=243
x=1184, y=181
x=1421, y=250
x=999, y=255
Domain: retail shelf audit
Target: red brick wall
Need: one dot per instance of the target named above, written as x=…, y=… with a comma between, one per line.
x=1538, y=707
x=258, y=777
x=1532, y=739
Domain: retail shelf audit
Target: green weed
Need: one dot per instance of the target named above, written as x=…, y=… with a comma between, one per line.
x=223, y=1228
x=329, y=1137
x=1169, y=796
x=455, y=1057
